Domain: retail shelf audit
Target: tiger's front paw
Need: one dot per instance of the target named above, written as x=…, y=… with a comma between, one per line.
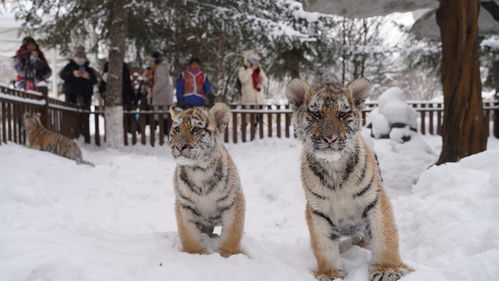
x=329, y=276
x=228, y=252
x=195, y=251
x=381, y=272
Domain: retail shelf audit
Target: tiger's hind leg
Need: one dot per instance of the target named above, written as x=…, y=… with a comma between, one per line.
x=326, y=247
x=232, y=229
x=189, y=234
x=387, y=264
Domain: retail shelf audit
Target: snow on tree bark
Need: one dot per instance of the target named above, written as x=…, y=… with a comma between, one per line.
x=113, y=100
x=464, y=131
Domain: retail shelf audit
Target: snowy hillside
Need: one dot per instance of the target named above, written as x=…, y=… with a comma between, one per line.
x=61, y=221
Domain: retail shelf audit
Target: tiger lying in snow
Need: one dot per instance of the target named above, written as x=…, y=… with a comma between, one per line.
x=38, y=137
x=341, y=179
x=207, y=186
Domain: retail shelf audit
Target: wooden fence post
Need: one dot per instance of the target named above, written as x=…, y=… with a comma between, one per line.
x=287, y=118
x=269, y=121
x=423, y=121
x=45, y=110
x=234, y=127
x=152, y=126
x=162, y=125
x=252, y=123
x=496, y=116
x=96, y=122
x=260, y=122
x=243, y=124
x=431, y=119
x=439, y=119
x=278, y=122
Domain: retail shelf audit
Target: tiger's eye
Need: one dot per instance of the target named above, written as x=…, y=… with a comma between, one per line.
x=343, y=115
x=314, y=112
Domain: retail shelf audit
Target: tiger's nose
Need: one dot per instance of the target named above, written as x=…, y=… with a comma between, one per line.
x=330, y=139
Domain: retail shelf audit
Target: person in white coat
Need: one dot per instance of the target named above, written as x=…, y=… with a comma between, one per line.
x=253, y=79
x=162, y=91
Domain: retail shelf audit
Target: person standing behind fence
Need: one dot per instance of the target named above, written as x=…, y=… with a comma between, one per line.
x=252, y=78
x=31, y=67
x=79, y=78
x=162, y=91
x=193, y=87
x=145, y=87
x=128, y=94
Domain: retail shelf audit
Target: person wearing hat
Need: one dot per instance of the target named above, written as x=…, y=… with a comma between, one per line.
x=162, y=92
x=31, y=67
x=79, y=78
x=252, y=78
x=193, y=87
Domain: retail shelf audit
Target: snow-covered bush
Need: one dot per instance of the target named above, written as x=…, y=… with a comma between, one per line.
x=394, y=118
x=380, y=127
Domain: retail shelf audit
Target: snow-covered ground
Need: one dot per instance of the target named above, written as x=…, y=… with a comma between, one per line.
x=61, y=222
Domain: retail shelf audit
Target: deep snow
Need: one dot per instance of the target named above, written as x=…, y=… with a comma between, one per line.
x=62, y=221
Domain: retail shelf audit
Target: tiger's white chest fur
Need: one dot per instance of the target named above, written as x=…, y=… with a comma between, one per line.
x=205, y=192
x=341, y=190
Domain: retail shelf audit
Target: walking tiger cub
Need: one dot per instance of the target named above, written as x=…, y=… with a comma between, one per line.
x=341, y=179
x=207, y=186
x=38, y=137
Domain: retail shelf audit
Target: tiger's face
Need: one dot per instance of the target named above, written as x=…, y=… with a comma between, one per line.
x=196, y=133
x=31, y=120
x=327, y=117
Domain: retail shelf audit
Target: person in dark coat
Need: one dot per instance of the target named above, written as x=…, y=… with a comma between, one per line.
x=31, y=66
x=79, y=78
x=129, y=97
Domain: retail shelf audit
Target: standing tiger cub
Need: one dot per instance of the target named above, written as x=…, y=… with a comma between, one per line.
x=341, y=179
x=38, y=137
x=207, y=186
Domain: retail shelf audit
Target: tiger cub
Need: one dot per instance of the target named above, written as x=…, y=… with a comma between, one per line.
x=38, y=137
x=341, y=179
x=207, y=186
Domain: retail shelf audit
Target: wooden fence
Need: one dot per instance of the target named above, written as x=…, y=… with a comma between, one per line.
x=151, y=126
x=61, y=117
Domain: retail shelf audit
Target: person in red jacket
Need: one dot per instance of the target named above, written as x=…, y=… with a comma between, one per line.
x=31, y=67
x=193, y=87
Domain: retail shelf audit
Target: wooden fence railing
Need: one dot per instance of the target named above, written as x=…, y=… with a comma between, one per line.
x=61, y=117
x=151, y=125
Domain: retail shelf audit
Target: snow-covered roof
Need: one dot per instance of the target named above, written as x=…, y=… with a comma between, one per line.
x=425, y=26
x=488, y=22
x=366, y=8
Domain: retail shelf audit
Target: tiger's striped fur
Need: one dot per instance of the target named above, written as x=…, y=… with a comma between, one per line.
x=341, y=179
x=38, y=137
x=207, y=186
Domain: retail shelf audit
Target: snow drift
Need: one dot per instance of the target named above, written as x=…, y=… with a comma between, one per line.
x=62, y=221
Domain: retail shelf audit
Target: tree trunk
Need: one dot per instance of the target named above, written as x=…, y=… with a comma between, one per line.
x=113, y=100
x=464, y=131
x=292, y=60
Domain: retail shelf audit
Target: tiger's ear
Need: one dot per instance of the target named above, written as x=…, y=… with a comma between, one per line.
x=295, y=92
x=174, y=111
x=220, y=112
x=359, y=89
